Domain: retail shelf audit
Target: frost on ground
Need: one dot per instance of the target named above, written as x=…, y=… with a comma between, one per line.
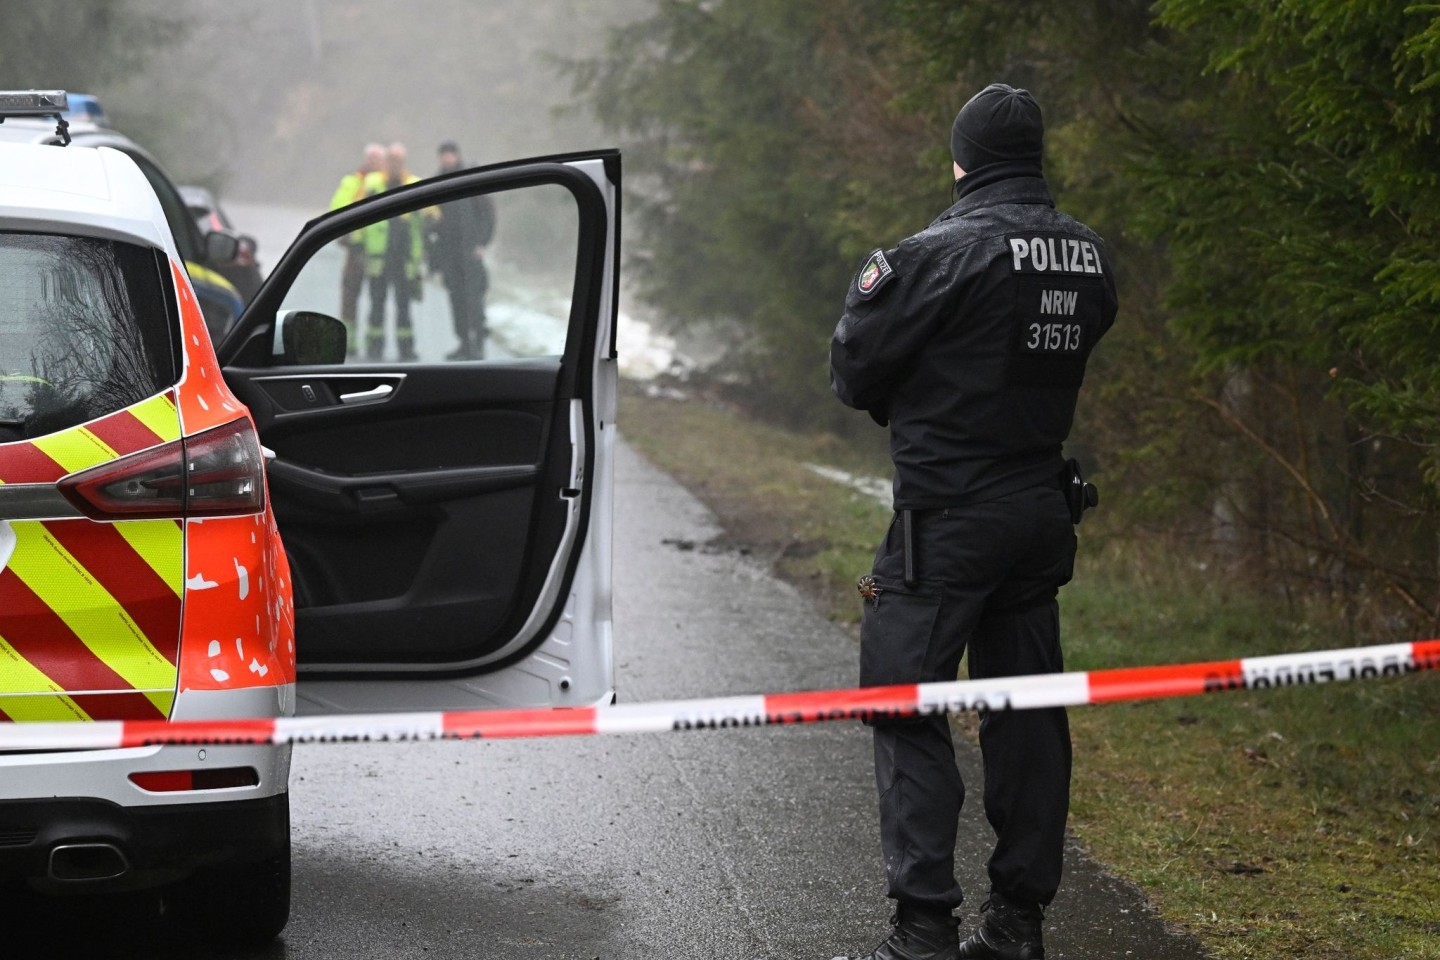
x=646, y=354
x=532, y=324
x=876, y=488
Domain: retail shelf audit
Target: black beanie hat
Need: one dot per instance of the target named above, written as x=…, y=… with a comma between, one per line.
x=998, y=124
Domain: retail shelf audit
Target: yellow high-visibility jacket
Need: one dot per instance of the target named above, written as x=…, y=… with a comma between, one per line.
x=377, y=235
x=352, y=188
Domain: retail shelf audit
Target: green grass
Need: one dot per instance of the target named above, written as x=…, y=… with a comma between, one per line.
x=1296, y=822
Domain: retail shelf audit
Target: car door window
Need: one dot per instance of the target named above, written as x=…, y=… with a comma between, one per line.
x=486, y=277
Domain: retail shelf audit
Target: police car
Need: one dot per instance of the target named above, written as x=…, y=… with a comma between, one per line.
x=208, y=256
x=264, y=526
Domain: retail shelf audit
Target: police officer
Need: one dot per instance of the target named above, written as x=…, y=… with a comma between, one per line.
x=970, y=340
x=458, y=238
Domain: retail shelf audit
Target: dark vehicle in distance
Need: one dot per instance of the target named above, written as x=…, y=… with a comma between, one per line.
x=244, y=271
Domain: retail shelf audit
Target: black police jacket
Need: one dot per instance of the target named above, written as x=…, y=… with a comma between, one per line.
x=971, y=338
x=463, y=225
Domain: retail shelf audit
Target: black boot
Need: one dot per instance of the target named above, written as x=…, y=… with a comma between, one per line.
x=1008, y=931
x=920, y=934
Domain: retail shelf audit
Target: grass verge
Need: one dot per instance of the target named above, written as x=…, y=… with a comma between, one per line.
x=1295, y=822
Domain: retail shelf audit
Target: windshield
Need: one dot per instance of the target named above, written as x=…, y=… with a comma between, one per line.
x=85, y=330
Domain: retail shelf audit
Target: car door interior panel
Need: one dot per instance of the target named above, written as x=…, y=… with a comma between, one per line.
x=380, y=508
x=431, y=503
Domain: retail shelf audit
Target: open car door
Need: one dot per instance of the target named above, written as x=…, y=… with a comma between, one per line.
x=442, y=477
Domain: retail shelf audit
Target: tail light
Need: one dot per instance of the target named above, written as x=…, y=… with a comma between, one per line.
x=216, y=473
x=176, y=781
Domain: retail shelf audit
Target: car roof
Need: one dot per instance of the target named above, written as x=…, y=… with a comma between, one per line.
x=39, y=130
x=80, y=190
x=82, y=133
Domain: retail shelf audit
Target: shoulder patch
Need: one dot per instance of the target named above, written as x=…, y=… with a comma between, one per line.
x=875, y=273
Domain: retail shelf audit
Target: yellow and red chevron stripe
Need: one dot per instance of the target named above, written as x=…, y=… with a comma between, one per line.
x=47, y=459
x=91, y=624
x=92, y=620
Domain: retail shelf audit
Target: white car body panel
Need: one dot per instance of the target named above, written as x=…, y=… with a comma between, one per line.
x=96, y=192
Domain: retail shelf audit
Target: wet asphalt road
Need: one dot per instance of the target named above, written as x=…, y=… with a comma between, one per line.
x=749, y=844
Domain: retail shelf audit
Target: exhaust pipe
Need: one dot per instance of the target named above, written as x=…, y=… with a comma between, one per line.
x=81, y=862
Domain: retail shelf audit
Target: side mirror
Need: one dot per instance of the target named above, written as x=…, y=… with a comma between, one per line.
x=221, y=246
x=304, y=338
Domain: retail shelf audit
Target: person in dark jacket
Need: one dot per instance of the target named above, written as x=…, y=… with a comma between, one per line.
x=457, y=252
x=970, y=341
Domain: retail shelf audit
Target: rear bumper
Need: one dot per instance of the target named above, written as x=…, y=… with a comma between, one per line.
x=105, y=774
x=156, y=844
x=86, y=798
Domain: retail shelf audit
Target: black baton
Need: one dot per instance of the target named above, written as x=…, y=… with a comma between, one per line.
x=908, y=528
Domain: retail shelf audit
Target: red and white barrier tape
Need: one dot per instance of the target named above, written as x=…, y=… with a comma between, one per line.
x=1021, y=693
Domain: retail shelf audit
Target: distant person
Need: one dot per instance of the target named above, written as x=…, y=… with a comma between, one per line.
x=457, y=252
x=352, y=276
x=394, y=253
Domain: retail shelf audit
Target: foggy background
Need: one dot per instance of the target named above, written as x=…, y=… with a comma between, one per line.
x=273, y=100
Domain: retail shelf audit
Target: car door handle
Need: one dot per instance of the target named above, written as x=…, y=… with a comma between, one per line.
x=378, y=393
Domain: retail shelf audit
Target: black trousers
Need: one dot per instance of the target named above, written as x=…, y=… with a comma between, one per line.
x=393, y=278
x=467, y=282
x=985, y=578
